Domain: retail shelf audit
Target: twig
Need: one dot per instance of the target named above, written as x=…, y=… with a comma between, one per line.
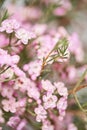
x=79, y=88
x=76, y=88
x=4, y=70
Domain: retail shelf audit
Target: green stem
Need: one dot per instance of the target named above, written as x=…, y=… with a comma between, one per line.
x=80, y=80
x=4, y=70
x=45, y=59
x=10, y=38
x=75, y=88
x=30, y=112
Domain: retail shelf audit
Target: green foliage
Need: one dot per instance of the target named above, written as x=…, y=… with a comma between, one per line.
x=60, y=50
x=4, y=15
x=3, y=11
x=62, y=47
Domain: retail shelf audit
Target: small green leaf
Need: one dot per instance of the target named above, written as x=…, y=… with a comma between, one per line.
x=5, y=15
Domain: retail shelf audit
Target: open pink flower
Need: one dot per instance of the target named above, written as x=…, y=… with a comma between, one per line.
x=9, y=105
x=47, y=85
x=41, y=113
x=47, y=125
x=61, y=106
x=24, y=35
x=33, y=69
x=7, y=58
x=71, y=126
x=62, y=90
x=13, y=121
x=9, y=25
x=49, y=101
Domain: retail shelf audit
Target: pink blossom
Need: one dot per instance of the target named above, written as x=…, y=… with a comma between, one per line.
x=34, y=69
x=5, y=89
x=63, y=9
x=62, y=103
x=18, y=71
x=46, y=44
x=62, y=90
x=47, y=86
x=9, y=25
x=60, y=11
x=33, y=92
x=7, y=58
x=21, y=102
x=49, y=101
x=75, y=47
x=72, y=73
x=71, y=126
x=41, y=113
x=3, y=41
x=61, y=106
x=9, y=105
x=21, y=125
x=15, y=59
x=21, y=84
x=24, y=35
x=13, y=121
x=47, y=125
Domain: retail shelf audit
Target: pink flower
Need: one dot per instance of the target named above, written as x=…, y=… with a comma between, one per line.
x=33, y=92
x=60, y=11
x=47, y=125
x=7, y=58
x=49, y=101
x=5, y=89
x=9, y=105
x=21, y=84
x=61, y=106
x=3, y=41
x=75, y=47
x=47, y=85
x=71, y=126
x=15, y=59
x=62, y=90
x=63, y=9
x=33, y=69
x=18, y=71
x=41, y=113
x=24, y=35
x=72, y=74
x=21, y=125
x=9, y=25
x=46, y=44
x=21, y=103
x=13, y=121
x=62, y=103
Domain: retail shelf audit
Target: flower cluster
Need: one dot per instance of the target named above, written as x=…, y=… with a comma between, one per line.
x=34, y=77
x=21, y=87
x=11, y=25
x=51, y=101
